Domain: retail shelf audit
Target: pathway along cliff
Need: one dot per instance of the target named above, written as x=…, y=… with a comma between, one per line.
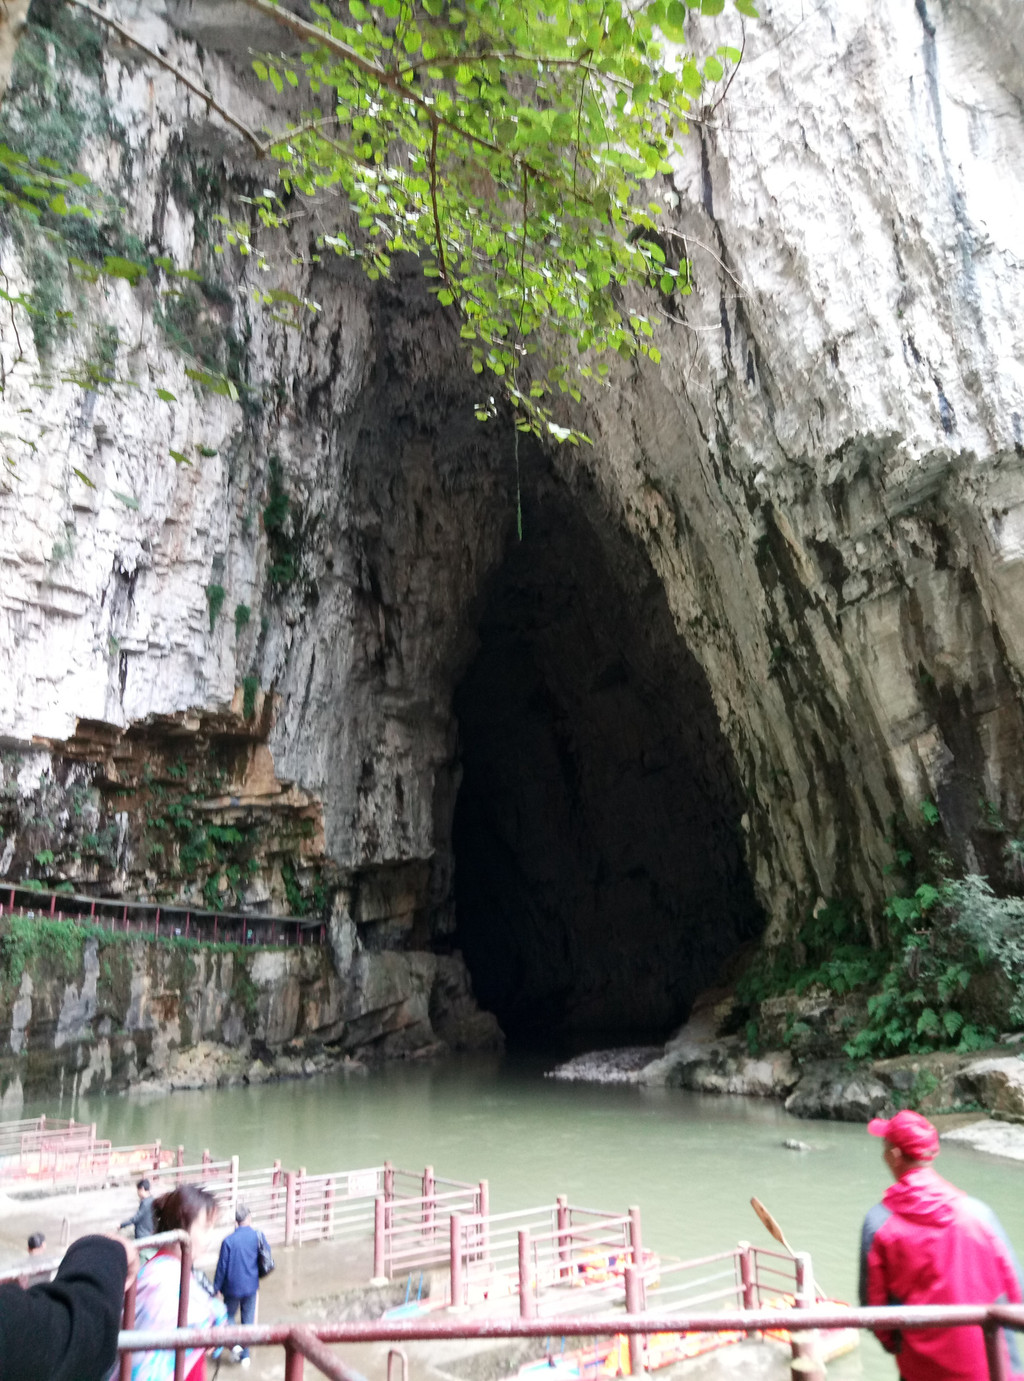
x=753, y=669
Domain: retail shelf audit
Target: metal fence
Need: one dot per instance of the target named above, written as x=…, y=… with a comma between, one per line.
x=43, y=1152
x=413, y=1230
x=311, y=1343
x=639, y=1327
x=11, y=1133
x=538, y=1256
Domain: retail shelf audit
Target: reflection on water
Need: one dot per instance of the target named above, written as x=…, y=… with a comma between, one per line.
x=690, y=1161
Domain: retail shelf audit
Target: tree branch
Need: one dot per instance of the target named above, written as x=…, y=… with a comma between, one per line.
x=438, y=238
x=211, y=103
x=391, y=80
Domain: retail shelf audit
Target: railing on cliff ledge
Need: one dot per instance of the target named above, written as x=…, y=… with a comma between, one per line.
x=162, y=920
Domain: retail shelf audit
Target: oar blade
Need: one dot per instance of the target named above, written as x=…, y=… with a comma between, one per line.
x=769, y=1222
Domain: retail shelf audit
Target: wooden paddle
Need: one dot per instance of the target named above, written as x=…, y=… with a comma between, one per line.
x=772, y=1225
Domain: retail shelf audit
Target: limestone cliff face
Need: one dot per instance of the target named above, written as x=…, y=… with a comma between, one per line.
x=806, y=531
x=108, y=1012
x=828, y=475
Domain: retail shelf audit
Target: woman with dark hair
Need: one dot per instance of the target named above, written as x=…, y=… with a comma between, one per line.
x=186, y=1209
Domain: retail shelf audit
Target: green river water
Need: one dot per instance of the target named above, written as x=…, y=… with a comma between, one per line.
x=691, y=1162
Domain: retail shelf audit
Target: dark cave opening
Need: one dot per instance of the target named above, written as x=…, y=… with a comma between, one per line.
x=600, y=882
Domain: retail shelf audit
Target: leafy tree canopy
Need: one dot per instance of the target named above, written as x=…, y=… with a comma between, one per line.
x=513, y=146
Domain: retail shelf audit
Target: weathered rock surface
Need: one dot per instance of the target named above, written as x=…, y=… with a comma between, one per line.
x=162, y=1016
x=698, y=1058
x=625, y=1066
x=830, y=1090
x=998, y=1138
x=997, y=1084
x=820, y=496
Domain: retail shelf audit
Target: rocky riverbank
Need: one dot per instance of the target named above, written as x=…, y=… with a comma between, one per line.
x=699, y=1058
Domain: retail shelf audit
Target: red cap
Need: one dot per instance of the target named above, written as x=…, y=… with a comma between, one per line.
x=910, y=1131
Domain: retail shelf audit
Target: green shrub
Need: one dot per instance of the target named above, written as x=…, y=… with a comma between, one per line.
x=215, y=600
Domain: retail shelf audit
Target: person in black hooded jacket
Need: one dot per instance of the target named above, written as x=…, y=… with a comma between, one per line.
x=66, y=1329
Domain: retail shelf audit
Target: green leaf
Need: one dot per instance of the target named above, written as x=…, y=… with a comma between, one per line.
x=114, y=266
x=179, y=458
x=165, y=395
x=748, y=8
x=216, y=383
x=83, y=477
x=126, y=499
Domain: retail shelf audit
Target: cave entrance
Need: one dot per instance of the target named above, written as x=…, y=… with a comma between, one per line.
x=600, y=882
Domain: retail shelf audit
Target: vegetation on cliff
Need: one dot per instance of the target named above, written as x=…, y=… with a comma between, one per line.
x=942, y=970
x=517, y=150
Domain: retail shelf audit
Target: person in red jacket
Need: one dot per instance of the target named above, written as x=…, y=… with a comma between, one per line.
x=929, y=1243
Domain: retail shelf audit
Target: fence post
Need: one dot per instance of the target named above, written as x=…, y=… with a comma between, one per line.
x=995, y=1353
x=806, y=1364
x=156, y=1154
x=635, y=1238
x=527, y=1304
x=294, y=1362
x=455, y=1259
x=484, y=1230
x=181, y=1156
x=379, y=1234
x=328, y=1226
x=127, y=1321
x=206, y=1161
x=564, y=1247
x=234, y=1186
x=428, y=1201
x=747, y=1275
x=289, y=1207
x=186, y=1277
x=389, y=1191
x=634, y=1305
x=300, y=1203
x=275, y=1189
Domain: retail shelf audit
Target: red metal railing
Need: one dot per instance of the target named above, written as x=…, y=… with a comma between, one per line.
x=536, y=1255
x=293, y=1207
x=73, y=1155
x=11, y=1133
x=156, y=920
x=415, y=1230
x=310, y=1343
x=801, y=1324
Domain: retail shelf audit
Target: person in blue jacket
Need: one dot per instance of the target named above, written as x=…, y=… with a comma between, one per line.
x=237, y=1277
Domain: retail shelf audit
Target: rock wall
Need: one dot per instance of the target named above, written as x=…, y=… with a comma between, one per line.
x=106, y=1012
x=828, y=473
x=824, y=480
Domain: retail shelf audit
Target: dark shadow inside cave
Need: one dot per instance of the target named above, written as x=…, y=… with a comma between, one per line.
x=600, y=882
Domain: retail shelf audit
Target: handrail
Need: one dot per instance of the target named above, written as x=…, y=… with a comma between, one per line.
x=309, y=1341
x=186, y=921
